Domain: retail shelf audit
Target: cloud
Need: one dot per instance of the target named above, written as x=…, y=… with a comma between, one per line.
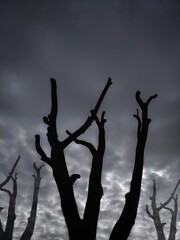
x=81, y=44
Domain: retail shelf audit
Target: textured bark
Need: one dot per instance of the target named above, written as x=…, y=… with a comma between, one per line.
x=57, y=161
x=155, y=215
x=8, y=233
x=28, y=232
x=126, y=221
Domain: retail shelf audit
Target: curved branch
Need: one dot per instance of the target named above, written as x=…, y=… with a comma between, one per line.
x=84, y=143
x=41, y=152
x=7, y=191
x=148, y=212
x=74, y=177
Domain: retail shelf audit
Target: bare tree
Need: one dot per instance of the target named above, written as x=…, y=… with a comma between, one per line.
x=11, y=211
x=155, y=215
x=173, y=229
x=7, y=234
x=32, y=219
x=127, y=218
x=76, y=226
x=85, y=228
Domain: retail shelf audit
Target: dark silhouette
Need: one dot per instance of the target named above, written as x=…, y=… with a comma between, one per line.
x=32, y=219
x=11, y=210
x=126, y=221
x=76, y=226
x=95, y=190
x=155, y=215
x=10, y=173
x=85, y=228
x=7, y=234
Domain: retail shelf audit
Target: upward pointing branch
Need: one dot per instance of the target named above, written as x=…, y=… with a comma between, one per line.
x=90, y=119
x=170, y=198
x=58, y=163
x=126, y=221
x=8, y=233
x=155, y=215
x=10, y=174
x=28, y=232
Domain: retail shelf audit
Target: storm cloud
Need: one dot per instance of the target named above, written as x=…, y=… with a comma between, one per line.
x=81, y=43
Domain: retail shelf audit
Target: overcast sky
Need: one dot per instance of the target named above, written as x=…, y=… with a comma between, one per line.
x=81, y=43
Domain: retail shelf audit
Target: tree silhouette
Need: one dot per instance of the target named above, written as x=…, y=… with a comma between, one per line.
x=85, y=228
x=7, y=234
x=155, y=215
x=11, y=210
x=10, y=173
x=76, y=226
x=127, y=218
x=28, y=232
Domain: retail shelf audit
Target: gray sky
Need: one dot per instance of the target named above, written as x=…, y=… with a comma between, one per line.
x=81, y=44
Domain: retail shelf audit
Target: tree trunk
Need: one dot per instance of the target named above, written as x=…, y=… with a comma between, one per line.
x=28, y=232
x=126, y=221
x=57, y=162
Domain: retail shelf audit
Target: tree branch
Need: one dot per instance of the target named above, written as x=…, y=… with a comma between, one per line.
x=28, y=232
x=170, y=198
x=139, y=123
x=84, y=143
x=95, y=190
x=43, y=155
x=148, y=212
x=11, y=173
x=127, y=218
x=89, y=120
x=11, y=210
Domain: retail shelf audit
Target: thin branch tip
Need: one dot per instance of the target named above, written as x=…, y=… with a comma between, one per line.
x=52, y=80
x=109, y=80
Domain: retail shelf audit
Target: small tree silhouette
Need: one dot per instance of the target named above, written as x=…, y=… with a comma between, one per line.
x=127, y=218
x=28, y=232
x=155, y=215
x=11, y=211
x=85, y=228
x=7, y=234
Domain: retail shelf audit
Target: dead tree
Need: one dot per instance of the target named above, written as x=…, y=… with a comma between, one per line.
x=95, y=190
x=8, y=232
x=155, y=215
x=8, y=178
x=10, y=173
x=31, y=220
x=86, y=228
x=127, y=218
x=76, y=226
x=173, y=230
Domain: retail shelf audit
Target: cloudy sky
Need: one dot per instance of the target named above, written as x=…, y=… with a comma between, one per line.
x=81, y=43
